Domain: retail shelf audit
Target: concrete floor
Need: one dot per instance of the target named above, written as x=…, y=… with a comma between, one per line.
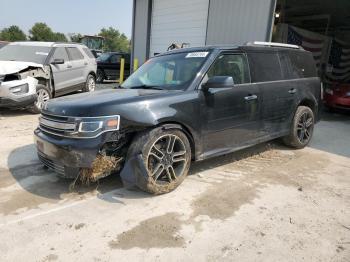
x=267, y=203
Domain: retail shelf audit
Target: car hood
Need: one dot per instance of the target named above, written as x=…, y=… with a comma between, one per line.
x=11, y=67
x=102, y=102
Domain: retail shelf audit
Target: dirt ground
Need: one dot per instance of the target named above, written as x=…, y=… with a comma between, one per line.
x=268, y=203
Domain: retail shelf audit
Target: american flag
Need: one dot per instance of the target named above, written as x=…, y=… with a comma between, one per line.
x=339, y=58
x=307, y=41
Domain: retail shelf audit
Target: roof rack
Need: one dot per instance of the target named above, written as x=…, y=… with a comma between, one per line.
x=259, y=43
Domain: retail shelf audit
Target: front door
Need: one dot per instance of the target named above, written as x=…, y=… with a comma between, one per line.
x=62, y=73
x=231, y=115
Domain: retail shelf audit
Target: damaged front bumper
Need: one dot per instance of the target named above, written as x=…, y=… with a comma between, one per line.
x=67, y=156
x=18, y=93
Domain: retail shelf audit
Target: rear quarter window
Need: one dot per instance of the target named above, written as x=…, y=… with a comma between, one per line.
x=264, y=66
x=88, y=53
x=302, y=64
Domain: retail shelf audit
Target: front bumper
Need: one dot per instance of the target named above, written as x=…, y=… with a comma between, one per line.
x=9, y=99
x=67, y=156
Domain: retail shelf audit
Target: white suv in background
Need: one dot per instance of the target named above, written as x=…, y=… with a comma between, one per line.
x=33, y=72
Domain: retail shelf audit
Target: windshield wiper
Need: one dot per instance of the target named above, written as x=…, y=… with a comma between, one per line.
x=145, y=87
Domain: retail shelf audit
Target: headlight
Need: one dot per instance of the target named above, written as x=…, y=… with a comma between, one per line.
x=97, y=125
x=79, y=127
x=329, y=91
x=21, y=89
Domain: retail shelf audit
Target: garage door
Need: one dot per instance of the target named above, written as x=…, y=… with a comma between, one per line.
x=179, y=21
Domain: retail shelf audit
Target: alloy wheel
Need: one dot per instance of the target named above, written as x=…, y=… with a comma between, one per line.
x=42, y=97
x=305, y=127
x=167, y=159
x=91, y=84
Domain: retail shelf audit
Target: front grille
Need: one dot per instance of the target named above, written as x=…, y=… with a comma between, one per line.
x=56, y=125
x=57, y=167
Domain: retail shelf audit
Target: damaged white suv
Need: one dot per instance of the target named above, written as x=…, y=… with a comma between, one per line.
x=33, y=72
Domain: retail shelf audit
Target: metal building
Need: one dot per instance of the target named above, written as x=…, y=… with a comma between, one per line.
x=159, y=23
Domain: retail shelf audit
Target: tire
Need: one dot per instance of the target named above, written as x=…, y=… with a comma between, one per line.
x=43, y=94
x=100, y=76
x=166, y=168
x=301, y=129
x=90, y=83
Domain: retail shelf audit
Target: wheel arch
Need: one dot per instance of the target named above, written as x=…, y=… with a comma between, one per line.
x=309, y=103
x=187, y=131
x=92, y=73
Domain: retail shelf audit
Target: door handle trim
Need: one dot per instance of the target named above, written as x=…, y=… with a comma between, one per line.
x=292, y=91
x=250, y=97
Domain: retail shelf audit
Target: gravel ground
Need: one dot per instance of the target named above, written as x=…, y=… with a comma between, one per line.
x=267, y=203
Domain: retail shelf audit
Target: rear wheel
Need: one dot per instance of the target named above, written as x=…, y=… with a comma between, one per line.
x=302, y=128
x=43, y=95
x=90, y=84
x=166, y=155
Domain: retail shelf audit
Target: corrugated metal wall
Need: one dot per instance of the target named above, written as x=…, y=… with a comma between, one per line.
x=179, y=21
x=239, y=21
x=229, y=22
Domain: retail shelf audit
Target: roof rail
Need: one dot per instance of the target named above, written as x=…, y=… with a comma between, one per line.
x=259, y=43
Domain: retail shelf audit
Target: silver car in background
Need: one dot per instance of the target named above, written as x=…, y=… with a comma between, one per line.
x=33, y=72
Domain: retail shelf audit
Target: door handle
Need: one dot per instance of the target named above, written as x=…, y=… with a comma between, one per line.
x=292, y=91
x=86, y=63
x=250, y=97
x=69, y=66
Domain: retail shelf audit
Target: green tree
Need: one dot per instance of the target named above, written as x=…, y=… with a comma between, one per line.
x=75, y=37
x=42, y=32
x=114, y=40
x=12, y=33
x=60, y=37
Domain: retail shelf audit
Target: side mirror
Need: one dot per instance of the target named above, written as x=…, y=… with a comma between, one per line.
x=218, y=82
x=57, y=61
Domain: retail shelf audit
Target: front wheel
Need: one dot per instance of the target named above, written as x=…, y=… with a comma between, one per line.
x=167, y=157
x=100, y=76
x=43, y=94
x=302, y=128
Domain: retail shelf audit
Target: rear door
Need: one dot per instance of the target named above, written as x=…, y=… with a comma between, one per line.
x=112, y=66
x=62, y=73
x=231, y=115
x=277, y=92
x=78, y=64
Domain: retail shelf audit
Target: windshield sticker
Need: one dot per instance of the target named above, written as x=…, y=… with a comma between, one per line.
x=41, y=53
x=197, y=54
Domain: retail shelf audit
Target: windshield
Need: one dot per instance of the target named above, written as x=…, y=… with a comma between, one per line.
x=174, y=71
x=103, y=57
x=24, y=53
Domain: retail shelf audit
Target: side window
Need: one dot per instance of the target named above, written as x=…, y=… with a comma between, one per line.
x=88, y=53
x=234, y=65
x=114, y=59
x=74, y=53
x=265, y=67
x=302, y=64
x=60, y=53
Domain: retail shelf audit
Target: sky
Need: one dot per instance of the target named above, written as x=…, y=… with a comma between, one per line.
x=68, y=16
